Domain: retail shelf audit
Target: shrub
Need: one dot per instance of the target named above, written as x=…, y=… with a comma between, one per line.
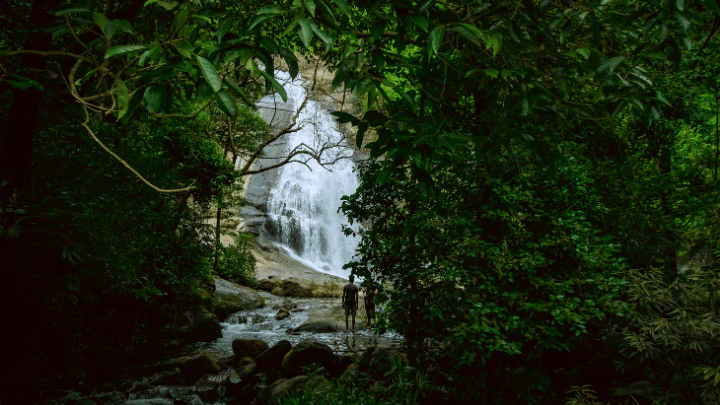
x=237, y=264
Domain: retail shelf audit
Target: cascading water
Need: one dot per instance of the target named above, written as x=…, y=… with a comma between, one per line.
x=303, y=204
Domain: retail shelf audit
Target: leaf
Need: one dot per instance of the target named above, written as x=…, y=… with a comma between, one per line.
x=223, y=27
x=204, y=91
x=584, y=51
x=305, y=32
x=611, y=63
x=23, y=83
x=469, y=31
x=237, y=90
x=275, y=85
x=310, y=6
x=271, y=10
x=167, y=5
x=329, y=41
x=124, y=26
x=209, y=73
x=226, y=103
x=435, y=40
x=269, y=44
x=491, y=72
x=291, y=61
x=123, y=50
x=680, y=5
x=343, y=6
x=421, y=22
x=362, y=128
x=184, y=48
x=384, y=175
x=663, y=32
x=375, y=118
x=343, y=117
x=66, y=9
x=155, y=98
x=123, y=99
x=135, y=100
x=209, y=13
x=100, y=20
x=149, y=2
x=712, y=6
x=259, y=19
x=377, y=29
x=155, y=52
x=181, y=18
x=242, y=53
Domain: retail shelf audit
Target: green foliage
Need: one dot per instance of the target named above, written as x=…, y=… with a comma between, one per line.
x=671, y=336
x=237, y=264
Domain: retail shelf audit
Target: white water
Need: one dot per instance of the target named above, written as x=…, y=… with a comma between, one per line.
x=304, y=202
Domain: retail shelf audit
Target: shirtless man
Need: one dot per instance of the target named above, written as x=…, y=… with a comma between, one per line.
x=350, y=301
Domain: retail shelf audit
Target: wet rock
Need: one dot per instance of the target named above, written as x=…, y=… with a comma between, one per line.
x=316, y=327
x=294, y=287
x=273, y=356
x=246, y=366
x=278, y=291
x=258, y=319
x=155, y=392
x=322, y=371
x=204, y=326
x=381, y=363
x=236, y=319
x=282, y=314
x=306, y=353
x=107, y=398
x=269, y=283
x=184, y=395
x=197, y=366
x=237, y=378
x=172, y=377
x=248, y=347
x=254, y=384
x=209, y=388
x=227, y=291
x=229, y=305
x=280, y=389
x=351, y=374
x=85, y=401
x=317, y=383
x=341, y=364
x=153, y=401
x=364, y=361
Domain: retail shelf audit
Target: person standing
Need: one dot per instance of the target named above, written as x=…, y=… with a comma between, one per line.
x=370, y=303
x=350, y=301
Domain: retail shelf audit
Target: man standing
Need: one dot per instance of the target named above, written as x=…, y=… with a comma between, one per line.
x=350, y=301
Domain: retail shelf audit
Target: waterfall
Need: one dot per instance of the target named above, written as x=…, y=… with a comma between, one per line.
x=302, y=208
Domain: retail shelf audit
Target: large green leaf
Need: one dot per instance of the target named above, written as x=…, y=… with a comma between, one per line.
x=611, y=63
x=259, y=19
x=209, y=73
x=124, y=26
x=275, y=85
x=123, y=50
x=122, y=96
x=712, y=6
x=310, y=6
x=343, y=6
x=329, y=40
x=204, y=91
x=226, y=103
x=66, y=9
x=184, y=48
x=155, y=98
x=239, y=91
x=271, y=10
x=362, y=128
x=305, y=32
x=435, y=40
x=291, y=61
x=135, y=100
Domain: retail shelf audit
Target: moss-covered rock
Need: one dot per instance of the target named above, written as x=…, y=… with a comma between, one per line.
x=248, y=347
x=199, y=365
x=229, y=305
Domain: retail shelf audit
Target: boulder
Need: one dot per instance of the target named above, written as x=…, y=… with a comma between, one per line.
x=350, y=375
x=283, y=312
x=225, y=290
x=364, y=361
x=258, y=319
x=248, y=347
x=317, y=383
x=273, y=356
x=231, y=223
x=230, y=304
x=246, y=366
x=199, y=365
x=294, y=287
x=278, y=291
x=280, y=389
x=341, y=364
x=316, y=327
x=269, y=283
x=306, y=353
x=172, y=377
x=381, y=363
x=203, y=326
x=238, y=378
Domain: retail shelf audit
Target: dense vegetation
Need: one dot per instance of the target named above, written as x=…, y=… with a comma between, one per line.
x=539, y=173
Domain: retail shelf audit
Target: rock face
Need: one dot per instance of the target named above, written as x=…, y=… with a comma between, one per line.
x=270, y=283
x=237, y=295
x=306, y=353
x=197, y=366
x=293, y=287
x=248, y=347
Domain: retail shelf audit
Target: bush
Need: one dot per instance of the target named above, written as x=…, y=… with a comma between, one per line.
x=237, y=264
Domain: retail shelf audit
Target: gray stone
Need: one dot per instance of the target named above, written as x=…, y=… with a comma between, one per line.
x=203, y=327
x=306, y=353
x=280, y=389
x=317, y=383
x=273, y=356
x=316, y=327
x=248, y=347
x=249, y=298
x=350, y=374
x=199, y=365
